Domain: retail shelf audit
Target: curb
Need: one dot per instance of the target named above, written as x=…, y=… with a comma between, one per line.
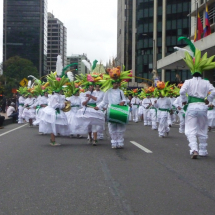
x=8, y=122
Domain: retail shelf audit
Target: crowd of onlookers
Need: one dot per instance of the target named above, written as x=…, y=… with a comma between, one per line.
x=10, y=107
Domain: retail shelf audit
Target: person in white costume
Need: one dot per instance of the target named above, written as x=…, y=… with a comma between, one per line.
x=211, y=115
x=153, y=113
x=42, y=103
x=53, y=120
x=114, y=96
x=29, y=109
x=89, y=120
x=135, y=102
x=164, y=105
x=146, y=111
x=21, y=108
x=178, y=104
x=75, y=102
x=197, y=89
x=172, y=113
x=99, y=95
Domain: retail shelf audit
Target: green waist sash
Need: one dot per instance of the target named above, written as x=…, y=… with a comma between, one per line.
x=75, y=106
x=92, y=104
x=192, y=99
x=163, y=109
x=21, y=105
x=210, y=108
x=118, y=114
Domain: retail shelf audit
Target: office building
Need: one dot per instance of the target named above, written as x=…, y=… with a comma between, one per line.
x=155, y=27
x=57, y=42
x=205, y=44
x=25, y=31
x=81, y=68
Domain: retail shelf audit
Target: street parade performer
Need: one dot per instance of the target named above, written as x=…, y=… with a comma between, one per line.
x=200, y=92
x=117, y=113
x=89, y=120
x=23, y=92
x=135, y=102
x=53, y=120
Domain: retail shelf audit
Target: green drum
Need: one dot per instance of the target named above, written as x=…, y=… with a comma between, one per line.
x=118, y=114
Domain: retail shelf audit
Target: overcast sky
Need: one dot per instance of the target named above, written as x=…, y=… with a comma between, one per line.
x=91, y=26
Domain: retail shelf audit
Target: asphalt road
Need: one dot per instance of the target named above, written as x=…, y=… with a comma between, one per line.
x=77, y=178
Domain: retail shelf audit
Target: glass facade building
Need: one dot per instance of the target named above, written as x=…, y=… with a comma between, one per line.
x=57, y=42
x=25, y=31
x=177, y=24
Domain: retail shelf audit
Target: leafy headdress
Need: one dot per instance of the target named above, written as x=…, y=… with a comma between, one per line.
x=115, y=75
x=23, y=91
x=70, y=89
x=194, y=61
x=56, y=84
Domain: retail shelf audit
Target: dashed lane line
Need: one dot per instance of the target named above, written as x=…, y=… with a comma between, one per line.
x=12, y=130
x=141, y=147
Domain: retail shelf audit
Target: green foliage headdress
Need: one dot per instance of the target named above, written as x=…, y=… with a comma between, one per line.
x=197, y=64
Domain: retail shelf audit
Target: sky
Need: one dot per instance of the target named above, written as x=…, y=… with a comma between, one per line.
x=91, y=26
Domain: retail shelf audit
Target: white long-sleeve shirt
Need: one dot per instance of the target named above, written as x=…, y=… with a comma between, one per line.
x=178, y=102
x=112, y=96
x=99, y=95
x=146, y=102
x=30, y=102
x=197, y=87
x=21, y=100
x=163, y=103
x=43, y=100
x=135, y=101
x=55, y=101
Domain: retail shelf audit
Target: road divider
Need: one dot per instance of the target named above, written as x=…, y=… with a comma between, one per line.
x=141, y=147
x=12, y=130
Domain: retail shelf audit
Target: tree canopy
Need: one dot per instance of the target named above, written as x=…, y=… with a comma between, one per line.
x=19, y=68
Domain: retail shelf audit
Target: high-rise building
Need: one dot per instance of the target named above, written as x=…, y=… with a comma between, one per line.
x=81, y=68
x=174, y=61
x=57, y=42
x=155, y=27
x=25, y=31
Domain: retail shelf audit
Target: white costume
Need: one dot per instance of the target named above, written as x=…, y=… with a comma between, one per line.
x=172, y=116
x=42, y=100
x=196, y=122
x=53, y=119
x=116, y=130
x=89, y=120
x=146, y=111
x=178, y=104
x=29, y=109
x=135, y=102
x=211, y=115
x=163, y=105
x=21, y=108
x=153, y=114
x=71, y=115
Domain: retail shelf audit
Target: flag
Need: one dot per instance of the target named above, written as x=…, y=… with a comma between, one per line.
x=207, y=30
x=195, y=36
x=200, y=28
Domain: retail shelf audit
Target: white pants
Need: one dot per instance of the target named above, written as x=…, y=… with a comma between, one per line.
x=182, y=122
x=20, y=119
x=163, y=127
x=146, y=115
x=196, y=126
x=116, y=131
x=135, y=114
x=153, y=117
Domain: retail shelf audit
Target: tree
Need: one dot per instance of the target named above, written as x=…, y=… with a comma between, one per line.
x=15, y=69
x=19, y=68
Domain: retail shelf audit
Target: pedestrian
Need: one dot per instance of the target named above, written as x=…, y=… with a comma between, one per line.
x=197, y=89
x=11, y=112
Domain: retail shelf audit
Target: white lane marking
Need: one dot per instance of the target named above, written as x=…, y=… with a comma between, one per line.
x=12, y=130
x=141, y=147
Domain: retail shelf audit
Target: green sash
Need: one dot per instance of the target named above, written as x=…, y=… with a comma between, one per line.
x=75, y=106
x=118, y=114
x=192, y=99
x=162, y=109
x=38, y=108
x=210, y=108
x=21, y=105
x=57, y=111
x=92, y=104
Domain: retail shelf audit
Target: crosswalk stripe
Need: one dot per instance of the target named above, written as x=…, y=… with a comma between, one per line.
x=141, y=147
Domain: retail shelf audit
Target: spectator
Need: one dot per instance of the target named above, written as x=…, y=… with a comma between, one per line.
x=1, y=121
x=11, y=112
